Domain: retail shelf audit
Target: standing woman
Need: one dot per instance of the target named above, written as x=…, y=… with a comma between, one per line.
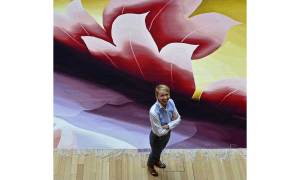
x=163, y=117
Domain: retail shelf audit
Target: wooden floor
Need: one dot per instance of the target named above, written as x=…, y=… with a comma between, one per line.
x=195, y=164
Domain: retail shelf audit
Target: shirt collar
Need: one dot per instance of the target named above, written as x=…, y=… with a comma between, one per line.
x=160, y=106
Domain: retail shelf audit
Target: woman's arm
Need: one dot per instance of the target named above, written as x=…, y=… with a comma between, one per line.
x=156, y=126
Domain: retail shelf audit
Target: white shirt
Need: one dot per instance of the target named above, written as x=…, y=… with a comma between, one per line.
x=160, y=116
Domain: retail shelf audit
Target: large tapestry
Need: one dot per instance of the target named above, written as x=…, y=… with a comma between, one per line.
x=109, y=56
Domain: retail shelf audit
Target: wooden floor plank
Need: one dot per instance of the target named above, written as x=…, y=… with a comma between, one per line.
x=62, y=165
x=79, y=174
x=228, y=169
x=74, y=164
x=67, y=170
x=174, y=161
x=105, y=169
x=98, y=167
x=188, y=166
x=200, y=167
x=235, y=167
x=173, y=175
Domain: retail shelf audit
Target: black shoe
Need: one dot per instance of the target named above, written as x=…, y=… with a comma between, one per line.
x=152, y=171
x=160, y=164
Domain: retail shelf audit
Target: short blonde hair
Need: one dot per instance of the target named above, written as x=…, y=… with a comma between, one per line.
x=161, y=87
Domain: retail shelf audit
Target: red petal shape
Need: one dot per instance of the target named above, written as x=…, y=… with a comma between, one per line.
x=136, y=53
x=56, y=137
x=74, y=23
x=168, y=22
x=228, y=95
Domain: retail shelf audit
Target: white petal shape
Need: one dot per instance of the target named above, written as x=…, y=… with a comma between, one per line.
x=212, y=25
x=63, y=21
x=179, y=54
x=101, y=49
x=65, y=30
x=79, y=14
x=132, y=28
x=67, y=137
x=95, y=44
x=189, y=6
x=75, y=8
x=77, y=22
x=234, y=83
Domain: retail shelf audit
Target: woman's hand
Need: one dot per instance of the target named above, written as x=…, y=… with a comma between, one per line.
x=174, y=116
x=165, y=126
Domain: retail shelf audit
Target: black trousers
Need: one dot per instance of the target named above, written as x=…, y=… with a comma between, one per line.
x=157, y=143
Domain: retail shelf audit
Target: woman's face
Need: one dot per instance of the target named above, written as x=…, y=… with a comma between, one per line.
x=163, y=97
